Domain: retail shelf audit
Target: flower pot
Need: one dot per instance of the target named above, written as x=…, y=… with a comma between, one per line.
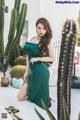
x=4, y=81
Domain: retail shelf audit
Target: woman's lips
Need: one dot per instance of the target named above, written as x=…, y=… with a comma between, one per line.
x=41, y=33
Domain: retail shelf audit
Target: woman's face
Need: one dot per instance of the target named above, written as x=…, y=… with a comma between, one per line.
x=40, y=30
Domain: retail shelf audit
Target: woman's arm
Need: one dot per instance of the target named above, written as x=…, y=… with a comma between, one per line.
x=45, y=59
x=22, y=43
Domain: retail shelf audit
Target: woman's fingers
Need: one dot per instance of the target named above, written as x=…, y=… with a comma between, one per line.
x=32, y=60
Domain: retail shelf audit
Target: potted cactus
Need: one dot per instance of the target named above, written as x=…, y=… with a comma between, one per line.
x=16, y=27
x=4, y=78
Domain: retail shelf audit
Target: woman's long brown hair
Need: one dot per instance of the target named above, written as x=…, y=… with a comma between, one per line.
x=45, y=40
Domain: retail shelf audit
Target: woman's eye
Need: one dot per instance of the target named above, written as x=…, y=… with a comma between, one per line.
x=39, y=27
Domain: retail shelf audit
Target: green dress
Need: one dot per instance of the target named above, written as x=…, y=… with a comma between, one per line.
x=38, y=83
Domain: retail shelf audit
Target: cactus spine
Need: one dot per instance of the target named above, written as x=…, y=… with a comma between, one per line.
x=65, y=67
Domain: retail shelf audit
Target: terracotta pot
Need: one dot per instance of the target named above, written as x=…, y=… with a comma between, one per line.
x=4, y=81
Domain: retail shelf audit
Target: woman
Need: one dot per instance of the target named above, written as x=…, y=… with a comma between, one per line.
x=39, y=51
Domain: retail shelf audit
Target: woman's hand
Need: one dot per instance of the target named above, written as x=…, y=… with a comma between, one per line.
x=33, y=60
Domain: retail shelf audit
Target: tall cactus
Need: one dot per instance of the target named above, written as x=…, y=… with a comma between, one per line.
x=17, y=7
x=65, y=67
x=12, y=29
x=2, y=4
x=16, y=27
x=78, y=32
x=17, y=49
x=21, y=23
x=17, y=22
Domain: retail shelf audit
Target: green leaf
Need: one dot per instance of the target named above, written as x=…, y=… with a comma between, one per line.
x=66, y=113
x=51, y=116
x=40, y=116
x=79, y=117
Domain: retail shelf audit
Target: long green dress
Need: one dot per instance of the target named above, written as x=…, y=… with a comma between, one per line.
x=38, y=83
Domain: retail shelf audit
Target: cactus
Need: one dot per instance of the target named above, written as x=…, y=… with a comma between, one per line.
x=15, y=54
x=18, y=71
x=78, y=32
x=18, y=34
x=2, y=3
x=13, y=23
x=17, y=22
x=65, y=67
x=17, y=7
x=17, y=49
x=21, y=60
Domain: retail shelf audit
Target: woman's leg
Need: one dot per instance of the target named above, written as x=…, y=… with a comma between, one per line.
x=22, y=95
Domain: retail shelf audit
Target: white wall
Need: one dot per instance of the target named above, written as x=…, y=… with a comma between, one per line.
x=55, y=13
x=33, y=14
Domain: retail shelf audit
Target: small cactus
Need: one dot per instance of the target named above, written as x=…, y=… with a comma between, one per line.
x=21, y=60
x=18, y=71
